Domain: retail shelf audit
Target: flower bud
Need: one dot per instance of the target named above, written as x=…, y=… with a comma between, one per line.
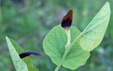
x=24, y=54
x=67, y=20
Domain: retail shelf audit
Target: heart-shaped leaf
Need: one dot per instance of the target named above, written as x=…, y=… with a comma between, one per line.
x=54, y=46
x=24, y=64
x=94, y=32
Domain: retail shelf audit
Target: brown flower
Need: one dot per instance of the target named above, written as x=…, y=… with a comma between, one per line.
x=67, y=20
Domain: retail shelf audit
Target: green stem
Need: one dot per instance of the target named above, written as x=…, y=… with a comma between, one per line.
x=67, y=51
x=68, y=38
x=57, y=68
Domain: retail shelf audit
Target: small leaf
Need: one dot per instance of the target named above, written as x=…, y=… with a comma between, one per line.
x=54, y=46
x=18, y=63
x=94, y=32
x=18, y=49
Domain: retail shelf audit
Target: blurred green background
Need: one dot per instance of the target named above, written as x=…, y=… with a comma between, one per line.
x=29, y=21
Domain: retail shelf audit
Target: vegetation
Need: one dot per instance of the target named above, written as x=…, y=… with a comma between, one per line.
x=29, y=21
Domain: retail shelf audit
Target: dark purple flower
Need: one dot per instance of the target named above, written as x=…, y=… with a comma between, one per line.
x=24, y=54
x=67, y=20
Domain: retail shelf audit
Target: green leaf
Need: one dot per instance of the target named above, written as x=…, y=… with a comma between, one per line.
x=18, y=63
x=94, y=32
x=15, y=49
x=54, y=46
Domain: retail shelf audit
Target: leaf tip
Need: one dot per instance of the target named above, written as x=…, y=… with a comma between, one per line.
x=6, y=37
x=107, y=4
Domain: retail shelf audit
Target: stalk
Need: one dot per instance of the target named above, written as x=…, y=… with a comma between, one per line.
x=57, y=68
x=67, y=51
